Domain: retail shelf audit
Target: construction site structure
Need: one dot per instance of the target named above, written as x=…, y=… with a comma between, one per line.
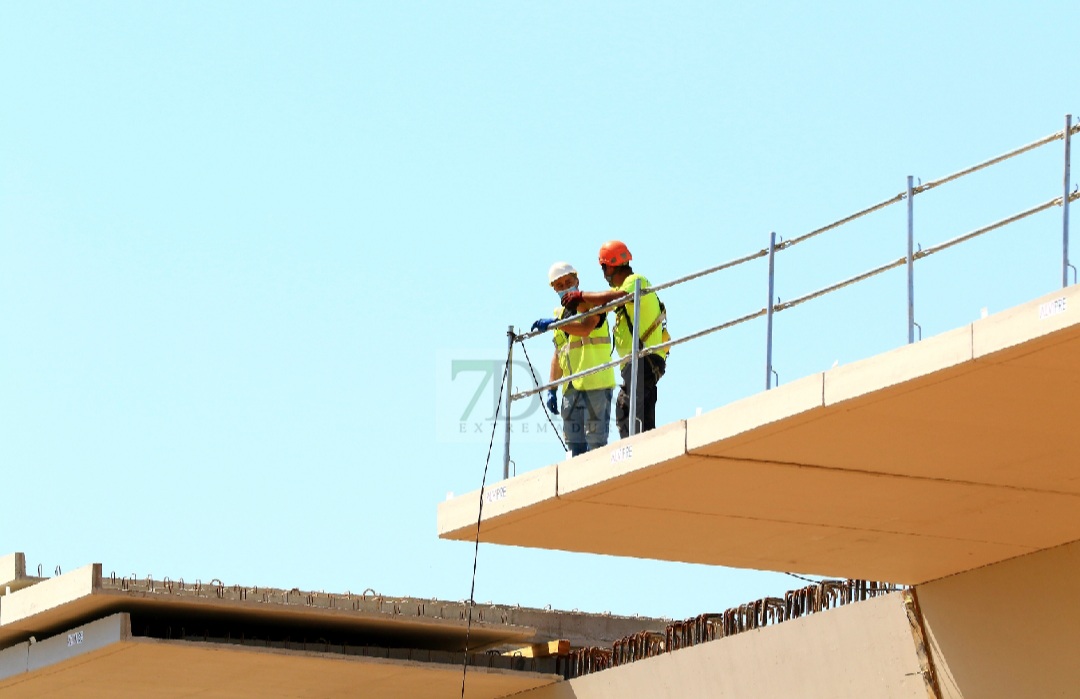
x=936, y=487
x=948, y=467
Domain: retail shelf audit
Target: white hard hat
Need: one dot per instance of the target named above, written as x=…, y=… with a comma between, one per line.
x=559, y=270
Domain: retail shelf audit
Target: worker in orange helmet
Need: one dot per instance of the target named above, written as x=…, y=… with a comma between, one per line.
x=615, y=260
x=580, y=345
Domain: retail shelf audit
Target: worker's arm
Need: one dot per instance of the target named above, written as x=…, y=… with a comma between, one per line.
x=592, y=299
x=556, y=370
x=583, y=327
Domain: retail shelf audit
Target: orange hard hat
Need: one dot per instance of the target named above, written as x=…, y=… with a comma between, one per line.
x=614, y=253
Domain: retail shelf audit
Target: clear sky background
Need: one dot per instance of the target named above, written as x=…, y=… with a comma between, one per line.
x=243, y=243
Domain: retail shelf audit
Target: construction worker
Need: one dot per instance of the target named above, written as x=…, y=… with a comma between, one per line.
x=615, y=263
x=580, y=345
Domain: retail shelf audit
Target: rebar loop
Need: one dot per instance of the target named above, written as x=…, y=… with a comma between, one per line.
x=767, y=611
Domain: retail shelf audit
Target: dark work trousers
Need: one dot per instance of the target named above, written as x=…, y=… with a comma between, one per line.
x=650, y=369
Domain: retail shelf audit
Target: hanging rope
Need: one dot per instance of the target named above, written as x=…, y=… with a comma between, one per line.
x=479, y=517
x=536, y=383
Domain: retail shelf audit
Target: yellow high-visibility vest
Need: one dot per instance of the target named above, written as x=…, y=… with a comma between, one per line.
x=653, y=320
x=577, y=354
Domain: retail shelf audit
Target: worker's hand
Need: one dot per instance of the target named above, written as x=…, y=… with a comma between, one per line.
x=553, y=401
x=542, y=324
x=571, y=299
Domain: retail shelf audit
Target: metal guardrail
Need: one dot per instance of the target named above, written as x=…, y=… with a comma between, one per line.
x=773, y=307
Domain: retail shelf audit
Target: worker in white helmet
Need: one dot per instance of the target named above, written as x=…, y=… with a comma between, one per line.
x=580, y=345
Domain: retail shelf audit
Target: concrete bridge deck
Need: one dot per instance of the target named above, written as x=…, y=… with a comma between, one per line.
x=939, y=457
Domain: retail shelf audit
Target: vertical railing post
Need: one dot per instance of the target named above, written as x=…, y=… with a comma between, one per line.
x=509, y=382
x=634, y=361
x=769, y=311
x=1065, y=207
x=910, y=262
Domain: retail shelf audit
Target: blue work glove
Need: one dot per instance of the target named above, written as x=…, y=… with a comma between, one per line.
x=553, y=401
x=542, y=324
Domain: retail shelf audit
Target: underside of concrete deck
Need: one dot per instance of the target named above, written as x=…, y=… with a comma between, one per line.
x=104, y=659
x=939, y=457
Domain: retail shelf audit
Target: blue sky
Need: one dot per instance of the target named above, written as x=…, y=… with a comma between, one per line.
x=242, y=243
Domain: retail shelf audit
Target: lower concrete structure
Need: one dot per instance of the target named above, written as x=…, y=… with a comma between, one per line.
x=104, y=659
x=1002, y=631
x=85, y=634
x=863, y=650
x=1007, y=630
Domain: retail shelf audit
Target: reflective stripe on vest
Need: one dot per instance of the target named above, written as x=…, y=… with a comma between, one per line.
x=577, y=354
x=581, y=341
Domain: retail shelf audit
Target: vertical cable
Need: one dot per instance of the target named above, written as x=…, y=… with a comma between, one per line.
x=480, y=515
